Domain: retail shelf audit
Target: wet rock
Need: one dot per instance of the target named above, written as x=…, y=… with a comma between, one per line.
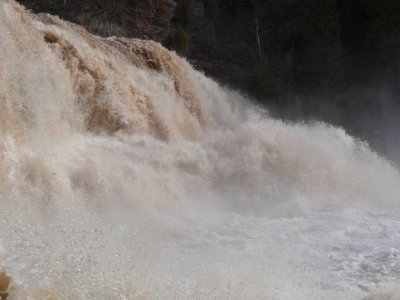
x=50, y=37
x=5, y=281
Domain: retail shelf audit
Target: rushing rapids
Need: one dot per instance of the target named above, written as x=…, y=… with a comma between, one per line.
x=126, y=174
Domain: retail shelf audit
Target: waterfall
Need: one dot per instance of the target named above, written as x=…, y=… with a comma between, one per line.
x=127, y=174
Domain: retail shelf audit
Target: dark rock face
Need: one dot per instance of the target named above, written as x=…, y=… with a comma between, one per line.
x=271, y=49
x=223, y=38
x=151, y=19
x=195, y=10
x=228, y=39
x=221, y=32
x=136, y=18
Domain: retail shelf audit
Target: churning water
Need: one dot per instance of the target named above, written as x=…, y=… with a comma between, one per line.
x=126, y=174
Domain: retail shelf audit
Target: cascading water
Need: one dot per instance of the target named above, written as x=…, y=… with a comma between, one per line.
x=125, y=174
